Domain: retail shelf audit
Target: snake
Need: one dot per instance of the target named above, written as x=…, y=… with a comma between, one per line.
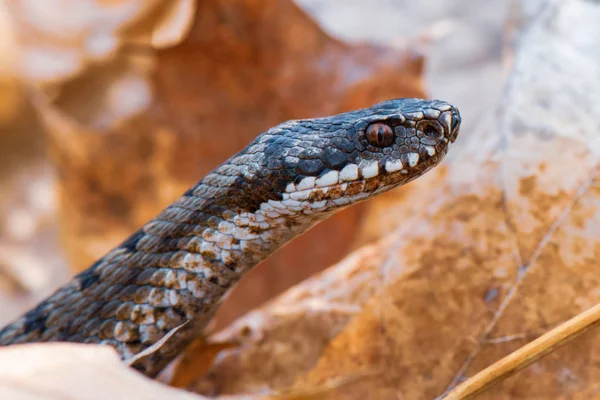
x=166, y=281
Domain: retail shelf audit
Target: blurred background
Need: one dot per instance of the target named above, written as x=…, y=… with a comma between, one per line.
x=109, y=110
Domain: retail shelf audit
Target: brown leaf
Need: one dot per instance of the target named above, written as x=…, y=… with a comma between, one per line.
x=282, y=341
x=324, y=392
x=175, y=24
x=527, y=355
x=11, y=96
x=27, y=201
x=197, y=359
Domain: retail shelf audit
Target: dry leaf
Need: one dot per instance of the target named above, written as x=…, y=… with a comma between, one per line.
x=526, y=355
x=324, y=392
x=283, y=340
x=175, y=23
x=57, y=46
x=11, y=97
x=26, y=196
x=197, y=359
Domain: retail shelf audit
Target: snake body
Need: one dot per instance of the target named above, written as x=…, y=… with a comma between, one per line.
x=174, y=272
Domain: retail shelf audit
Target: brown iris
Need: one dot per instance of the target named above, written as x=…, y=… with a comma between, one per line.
x=380, y=135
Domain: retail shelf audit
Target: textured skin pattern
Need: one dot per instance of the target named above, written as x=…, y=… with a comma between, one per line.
x=179, y=266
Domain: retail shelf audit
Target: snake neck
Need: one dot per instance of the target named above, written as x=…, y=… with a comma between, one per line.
x=220, y=243
x=171, y=274
x=219, y=250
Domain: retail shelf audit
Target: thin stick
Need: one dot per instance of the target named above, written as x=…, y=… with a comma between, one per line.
x=155, y=346
x=526, y=355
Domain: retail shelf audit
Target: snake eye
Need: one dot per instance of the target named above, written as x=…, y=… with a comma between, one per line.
x=380, y=135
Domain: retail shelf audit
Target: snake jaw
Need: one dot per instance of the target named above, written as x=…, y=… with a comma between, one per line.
x=352, y=184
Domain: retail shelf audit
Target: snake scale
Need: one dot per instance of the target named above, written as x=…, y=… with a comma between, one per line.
x=176, y=270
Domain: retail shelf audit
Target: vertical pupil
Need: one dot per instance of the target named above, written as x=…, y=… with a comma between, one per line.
x=379, y=135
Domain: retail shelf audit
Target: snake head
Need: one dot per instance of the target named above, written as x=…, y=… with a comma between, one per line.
x=317, y=165
x=343, y=159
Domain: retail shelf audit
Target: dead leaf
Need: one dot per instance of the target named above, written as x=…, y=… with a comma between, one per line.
x=197, y=359
x=175, y=24
x=11, y=96
x=526, y=355
x=282, y=341
x=324, y=392
x=26, y=196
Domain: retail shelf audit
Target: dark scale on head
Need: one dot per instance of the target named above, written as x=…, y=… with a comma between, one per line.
x=334, y=158
x=309, y=167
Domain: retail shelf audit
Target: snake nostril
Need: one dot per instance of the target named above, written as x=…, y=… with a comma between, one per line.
x=432, y=130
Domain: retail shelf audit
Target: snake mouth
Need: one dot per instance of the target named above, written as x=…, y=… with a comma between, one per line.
x=354, y=182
